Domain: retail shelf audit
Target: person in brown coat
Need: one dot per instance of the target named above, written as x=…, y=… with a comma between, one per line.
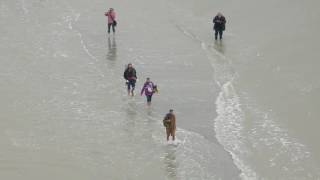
x=169, y=122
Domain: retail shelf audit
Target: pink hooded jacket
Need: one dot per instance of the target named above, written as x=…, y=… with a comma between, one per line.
x=111, y=16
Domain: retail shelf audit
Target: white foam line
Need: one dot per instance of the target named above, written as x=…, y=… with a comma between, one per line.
x=293, y=148
x=228, y=122
x=227, y=90
x=78, y=33
x=226, y=95
x=196, y=38
x=84, y=46
x=70, y=26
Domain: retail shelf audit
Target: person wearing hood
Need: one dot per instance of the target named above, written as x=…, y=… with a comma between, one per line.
x=169, y=123
x=219, y=25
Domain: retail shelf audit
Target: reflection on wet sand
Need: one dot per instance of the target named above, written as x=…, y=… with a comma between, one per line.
x=131, y=109
x=131, y=117
x=112, y=49
x=219, y=46
x=151, y=113
x=171, y=162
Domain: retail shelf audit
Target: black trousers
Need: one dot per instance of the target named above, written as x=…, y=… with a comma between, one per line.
x=109, y=26
x=220, y=32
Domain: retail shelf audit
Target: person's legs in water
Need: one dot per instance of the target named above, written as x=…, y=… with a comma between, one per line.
x=220, y=33
x=173, y=134
x=216, y=35
x=149, y=97
x=109, y=26
x=128, y=85
x=168, y=130
x=113, y=28
x=132, y=83
x=131, y=86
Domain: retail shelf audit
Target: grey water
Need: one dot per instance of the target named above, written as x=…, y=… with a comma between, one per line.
x=266, y=68
x=246, y=106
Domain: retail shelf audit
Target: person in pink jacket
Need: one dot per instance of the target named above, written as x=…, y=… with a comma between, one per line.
x=111, y=20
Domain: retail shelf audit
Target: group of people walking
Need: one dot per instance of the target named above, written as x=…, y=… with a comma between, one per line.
x=149, y=88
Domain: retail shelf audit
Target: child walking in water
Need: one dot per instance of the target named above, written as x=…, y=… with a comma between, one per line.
x=148, y=89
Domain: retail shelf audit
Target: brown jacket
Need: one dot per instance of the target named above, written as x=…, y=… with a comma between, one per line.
x=172, y=119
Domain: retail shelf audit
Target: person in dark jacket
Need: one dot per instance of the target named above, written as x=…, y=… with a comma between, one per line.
x=219, y=25
x=131, y=76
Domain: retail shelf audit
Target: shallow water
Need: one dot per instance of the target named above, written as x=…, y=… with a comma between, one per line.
x=246, y=107
x=266, y=68
x=65, y=113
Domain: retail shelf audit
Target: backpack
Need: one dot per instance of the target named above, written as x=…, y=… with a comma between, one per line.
x=150, y=87
x=155, y=89
x=166, y=121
